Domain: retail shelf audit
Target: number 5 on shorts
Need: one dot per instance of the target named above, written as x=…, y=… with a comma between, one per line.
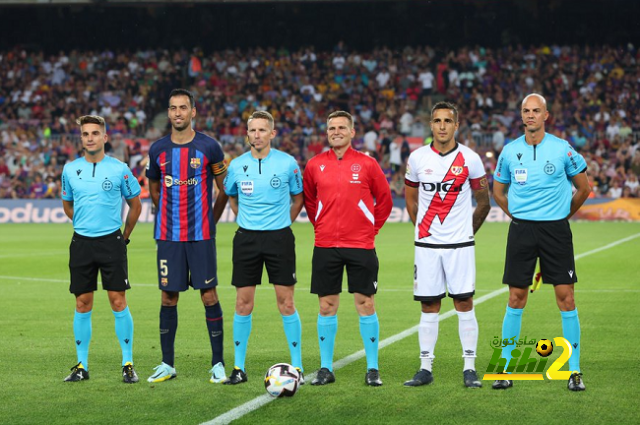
x=164, y=269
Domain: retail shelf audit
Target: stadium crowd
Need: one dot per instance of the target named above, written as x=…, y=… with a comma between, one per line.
x=592, y=93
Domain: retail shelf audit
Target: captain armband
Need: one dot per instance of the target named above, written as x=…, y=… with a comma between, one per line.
x=219, y=168
x=410, y=183
x=479, y=184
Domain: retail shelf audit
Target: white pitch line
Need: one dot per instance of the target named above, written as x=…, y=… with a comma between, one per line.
x=256, y=403
x=133, y=285
x=33, y=279
x=260, y=401
x=299, y=288
x=39, y=279
x=611, y=245
x=32, y=255
x=51, y=253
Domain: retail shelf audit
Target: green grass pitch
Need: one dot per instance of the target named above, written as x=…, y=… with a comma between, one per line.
x=37, y=350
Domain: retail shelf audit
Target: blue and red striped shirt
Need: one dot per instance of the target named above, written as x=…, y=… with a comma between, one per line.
x=186, y=174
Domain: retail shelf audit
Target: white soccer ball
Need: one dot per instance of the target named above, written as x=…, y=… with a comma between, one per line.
x=281, y=380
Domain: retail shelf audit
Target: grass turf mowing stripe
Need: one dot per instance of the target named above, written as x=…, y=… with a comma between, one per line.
x=260, y=401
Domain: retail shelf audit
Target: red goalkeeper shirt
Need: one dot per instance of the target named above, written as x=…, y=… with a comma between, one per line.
x=348, y=200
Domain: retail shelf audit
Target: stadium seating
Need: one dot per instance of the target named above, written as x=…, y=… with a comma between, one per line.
x=591, y=93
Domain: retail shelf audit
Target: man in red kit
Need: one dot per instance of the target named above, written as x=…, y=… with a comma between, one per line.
x=348, y=200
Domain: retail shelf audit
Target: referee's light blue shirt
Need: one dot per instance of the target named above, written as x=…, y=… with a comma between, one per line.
x=539, y=177
x=264, y=188
x=96, y=191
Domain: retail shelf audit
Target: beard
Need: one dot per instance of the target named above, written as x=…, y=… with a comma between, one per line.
x=181, y=127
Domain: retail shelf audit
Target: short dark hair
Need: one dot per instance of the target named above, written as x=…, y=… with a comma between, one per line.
x=446, y=105
x=337, y=114
x=92, y=119
x=183, y=92
x=262, y=115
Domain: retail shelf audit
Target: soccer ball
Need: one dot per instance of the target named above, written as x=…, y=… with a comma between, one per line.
x=281, y=380
x=544, y=347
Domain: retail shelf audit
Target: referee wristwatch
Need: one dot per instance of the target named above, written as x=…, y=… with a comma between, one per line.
x=126, y=241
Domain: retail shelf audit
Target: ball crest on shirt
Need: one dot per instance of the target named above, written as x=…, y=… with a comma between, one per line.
x=456, y=170
x=195, y=163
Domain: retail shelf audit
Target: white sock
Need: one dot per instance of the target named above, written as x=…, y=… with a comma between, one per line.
x=468, y=330
x=427, y=335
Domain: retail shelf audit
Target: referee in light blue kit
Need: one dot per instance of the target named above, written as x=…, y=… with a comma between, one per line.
x=265, y=191
x=92, y=191
x=539, y=168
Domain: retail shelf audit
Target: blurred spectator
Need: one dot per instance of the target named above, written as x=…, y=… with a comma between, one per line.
x=615, y=191
x=118, y=148
x=371, y=140
x=386, y=169
x=632, y=184
x=406, y=122
x=397, y=185
x=384, y=149
x=37, y=188
x=603, y=183
x=405, y=150
x=395, y=154
x=497, y=141
x=4, y=170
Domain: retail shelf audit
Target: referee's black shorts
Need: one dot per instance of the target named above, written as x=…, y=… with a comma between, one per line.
x=105, y=253
x=327, y=269
x=254, y=249
x=551, y=241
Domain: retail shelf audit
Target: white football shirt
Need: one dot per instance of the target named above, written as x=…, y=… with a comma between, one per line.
x=444, y=183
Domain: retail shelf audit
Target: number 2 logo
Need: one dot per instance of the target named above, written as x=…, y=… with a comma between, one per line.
x=554, y=371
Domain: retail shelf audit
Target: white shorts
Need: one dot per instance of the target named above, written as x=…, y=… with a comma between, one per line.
x=438, y=271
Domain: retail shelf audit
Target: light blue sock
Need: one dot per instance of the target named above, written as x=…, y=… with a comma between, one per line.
x=293, y=332
x=82, y=334
x=511, y=328
x=370, y=332
x=327, y=330
x=241, y=332
x=571, y=332
x=124, y=332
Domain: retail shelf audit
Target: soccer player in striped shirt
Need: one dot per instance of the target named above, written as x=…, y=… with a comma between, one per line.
x=181, y=170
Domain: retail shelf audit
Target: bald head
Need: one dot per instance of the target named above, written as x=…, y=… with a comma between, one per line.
x=542, y=100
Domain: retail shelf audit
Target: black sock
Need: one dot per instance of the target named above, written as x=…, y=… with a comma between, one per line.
x=168, y=328
x=213, y=314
